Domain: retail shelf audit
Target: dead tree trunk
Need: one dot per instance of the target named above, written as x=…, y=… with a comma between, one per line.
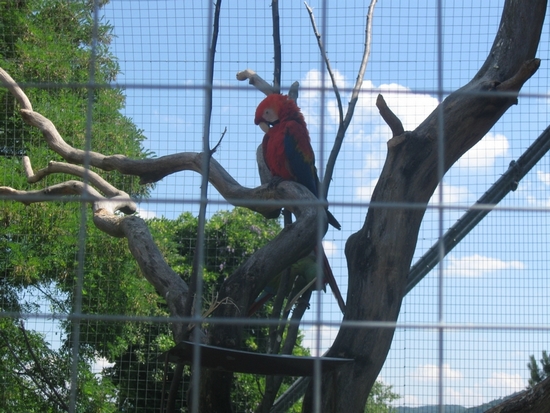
x=379, y=255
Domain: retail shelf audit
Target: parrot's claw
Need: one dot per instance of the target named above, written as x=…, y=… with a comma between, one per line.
x=275, y=181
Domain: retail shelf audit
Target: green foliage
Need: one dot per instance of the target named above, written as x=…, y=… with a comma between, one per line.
x=380, y=397
x=35, y=378
x=46, y=45
x=537, y=373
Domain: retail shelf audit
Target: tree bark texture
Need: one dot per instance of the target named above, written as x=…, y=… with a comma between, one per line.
x=380, y=254
x=535, y=400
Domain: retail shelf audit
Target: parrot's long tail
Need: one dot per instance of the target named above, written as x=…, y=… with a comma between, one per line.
x=259, y=302
x=331, y=281
x=333, y=221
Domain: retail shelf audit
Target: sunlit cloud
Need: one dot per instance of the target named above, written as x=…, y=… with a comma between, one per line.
x=146, y=214
x=364, y=193
x=311, y=84
x=509, y=382
x=430, y=373
x=411, y=108
x=168, y=119
x=330, y=248
x=476, y=265
x=544, y=177
x=319, y=338
x=452, y=194
x=484, y=153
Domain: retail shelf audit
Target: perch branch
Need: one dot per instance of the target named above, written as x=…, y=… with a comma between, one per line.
x=53, y=167
x=15, y=90
x=70, y=188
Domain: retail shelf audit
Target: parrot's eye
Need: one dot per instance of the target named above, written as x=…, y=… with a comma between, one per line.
x=270, y=116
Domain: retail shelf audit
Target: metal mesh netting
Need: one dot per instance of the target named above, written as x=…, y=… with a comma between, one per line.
x=84, y=329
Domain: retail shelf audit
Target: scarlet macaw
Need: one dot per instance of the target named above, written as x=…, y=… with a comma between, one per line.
x=286, y=145
x=289, y=156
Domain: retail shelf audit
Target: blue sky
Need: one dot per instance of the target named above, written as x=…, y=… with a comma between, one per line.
x=496, y=277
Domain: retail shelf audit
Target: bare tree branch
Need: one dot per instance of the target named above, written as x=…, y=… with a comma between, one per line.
x=327, y=62
x=342, y=128
x=276, y=46
x=53, y=167
x=389, y=117
x=257, y=81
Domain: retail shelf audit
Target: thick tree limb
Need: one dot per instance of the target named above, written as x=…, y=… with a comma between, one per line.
x=15, y=90
x=155, y=269
x=379, y=255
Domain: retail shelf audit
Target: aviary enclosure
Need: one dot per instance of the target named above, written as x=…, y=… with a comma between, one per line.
x=140, y=224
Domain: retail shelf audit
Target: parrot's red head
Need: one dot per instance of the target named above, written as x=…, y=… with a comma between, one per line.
x=276, y=108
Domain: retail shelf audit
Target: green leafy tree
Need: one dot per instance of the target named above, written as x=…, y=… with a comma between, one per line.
x=380, y=398
x=49, y=43
x=231, y=237
x=537, y=373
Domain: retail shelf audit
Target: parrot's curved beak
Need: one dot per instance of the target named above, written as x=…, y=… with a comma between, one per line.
x=264, y=126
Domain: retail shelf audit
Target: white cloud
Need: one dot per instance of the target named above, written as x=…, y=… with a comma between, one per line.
x=310, y=89
x=318, y=345
x=330, y=248
x=510, y=383
x=146, y=214
x=99, y=364
x=411, y=108
x=483, y=154
x=430, y=373
x=544, y=177
x=364, y=193
x=452, y=195
x=477, y=265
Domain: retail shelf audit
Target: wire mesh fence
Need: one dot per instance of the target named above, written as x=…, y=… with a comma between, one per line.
x=100, y=252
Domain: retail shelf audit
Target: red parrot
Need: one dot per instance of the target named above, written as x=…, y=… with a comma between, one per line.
x=289, y=156
x=286, y=146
